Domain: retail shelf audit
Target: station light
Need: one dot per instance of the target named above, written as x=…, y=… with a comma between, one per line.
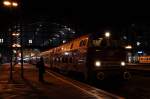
x=16, y=45
x=140, y=52
x=15, y=4
x=7, y=3
x=14, y=51
x=15, y=34
x=128, y=47
x=64, y=41
x=73, y=32
x=10, y=4
x=66, y=53
x=124, y=37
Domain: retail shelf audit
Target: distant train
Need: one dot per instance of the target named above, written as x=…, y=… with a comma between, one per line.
x=92, y=56
x=144, y=59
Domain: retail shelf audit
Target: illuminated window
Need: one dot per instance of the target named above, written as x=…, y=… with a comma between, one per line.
x=30, y=41
x=138, y=43
x=1, y=40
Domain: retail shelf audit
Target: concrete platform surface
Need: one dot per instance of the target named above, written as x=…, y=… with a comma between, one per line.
x=52, y=88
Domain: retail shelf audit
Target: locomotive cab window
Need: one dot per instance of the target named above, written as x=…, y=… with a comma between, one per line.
x=106, y=43
x=83, y=43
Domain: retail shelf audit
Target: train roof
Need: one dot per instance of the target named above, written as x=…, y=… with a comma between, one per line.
x=71, y=45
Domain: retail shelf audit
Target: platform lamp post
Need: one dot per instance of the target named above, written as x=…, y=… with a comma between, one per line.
x=22, y=70
x=10, y=4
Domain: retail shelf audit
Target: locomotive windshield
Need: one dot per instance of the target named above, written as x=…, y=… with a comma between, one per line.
x=105, y=43
x=107, y=49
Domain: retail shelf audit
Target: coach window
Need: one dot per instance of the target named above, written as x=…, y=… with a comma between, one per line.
x=63, y=59
x=66, y=60
x=104, y=43
x=70, y=60
x=81, y=42
x=84, y=42
x=71, y=46
x=60, y=59
x=142, y=59
x=55, y=60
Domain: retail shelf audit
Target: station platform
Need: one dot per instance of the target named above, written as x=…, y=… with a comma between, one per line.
x=53, y=87
x=139, y=67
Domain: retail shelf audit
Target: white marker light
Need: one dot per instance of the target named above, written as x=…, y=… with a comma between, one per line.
x=97, y=63
x=107, y=34
x=123, y=63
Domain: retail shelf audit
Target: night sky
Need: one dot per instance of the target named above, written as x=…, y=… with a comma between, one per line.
x=87, y=16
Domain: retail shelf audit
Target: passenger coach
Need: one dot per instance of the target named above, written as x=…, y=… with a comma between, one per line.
x=94, y=56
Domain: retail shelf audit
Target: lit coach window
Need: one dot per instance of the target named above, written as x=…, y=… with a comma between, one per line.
x=144, y=59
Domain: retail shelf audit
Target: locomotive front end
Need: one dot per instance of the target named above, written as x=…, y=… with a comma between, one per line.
x=107, y=58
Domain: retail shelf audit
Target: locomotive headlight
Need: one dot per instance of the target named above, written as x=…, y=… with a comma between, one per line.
x=123, y=63
x=97, y=63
